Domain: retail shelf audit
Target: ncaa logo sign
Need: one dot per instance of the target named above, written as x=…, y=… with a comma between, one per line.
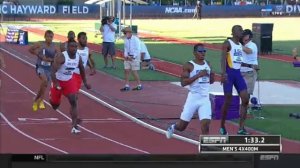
x=173, y=10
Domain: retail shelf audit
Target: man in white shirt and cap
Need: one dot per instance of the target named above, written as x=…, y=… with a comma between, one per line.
x=132, y=51
x=249, y=65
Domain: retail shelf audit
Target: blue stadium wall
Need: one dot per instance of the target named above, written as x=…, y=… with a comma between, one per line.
x=92, y=12
x=187, y=12
x=184, y=12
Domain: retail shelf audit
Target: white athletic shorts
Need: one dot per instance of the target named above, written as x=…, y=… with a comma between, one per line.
x=196, y=102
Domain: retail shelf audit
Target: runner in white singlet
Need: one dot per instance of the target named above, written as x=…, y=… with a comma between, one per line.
x=86, y=58
x=198, y=75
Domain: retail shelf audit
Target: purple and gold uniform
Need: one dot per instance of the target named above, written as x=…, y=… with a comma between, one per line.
x=233, y=65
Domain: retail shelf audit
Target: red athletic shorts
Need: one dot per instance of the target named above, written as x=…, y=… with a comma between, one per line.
x=67, y=87
x=78, y=80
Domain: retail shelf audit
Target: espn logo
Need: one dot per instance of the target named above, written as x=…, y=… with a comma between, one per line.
x=215, y=140
x=269, y=157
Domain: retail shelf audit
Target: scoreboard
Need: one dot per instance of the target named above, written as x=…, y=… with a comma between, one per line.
x=16, y=35
x=12, y=35
x=240, y=144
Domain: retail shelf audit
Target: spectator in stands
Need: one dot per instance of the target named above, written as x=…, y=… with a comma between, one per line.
x=145, y=58
x=237, y=2
x=108, y=28
x=15, y=2
x=243, y=3
x=248, y=2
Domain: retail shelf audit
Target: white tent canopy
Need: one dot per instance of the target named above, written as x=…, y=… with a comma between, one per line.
x=91, y=1
x=140, y=2
x=102, y=2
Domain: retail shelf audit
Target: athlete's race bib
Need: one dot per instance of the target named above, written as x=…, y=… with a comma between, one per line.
x=68, y=73
x=45, y=63
x=238, y=59
x=204, y=79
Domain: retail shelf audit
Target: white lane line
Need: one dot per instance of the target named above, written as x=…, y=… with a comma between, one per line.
x=37, y=119
x=28, y=136
x=63, y=122
x=83, y=128
x=101, y=119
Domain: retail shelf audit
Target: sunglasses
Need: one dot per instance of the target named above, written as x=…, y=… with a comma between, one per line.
x=201, y=51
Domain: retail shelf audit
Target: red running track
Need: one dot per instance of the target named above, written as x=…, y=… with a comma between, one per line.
x=13, y=91
x=110, y=134
x=288, y=146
